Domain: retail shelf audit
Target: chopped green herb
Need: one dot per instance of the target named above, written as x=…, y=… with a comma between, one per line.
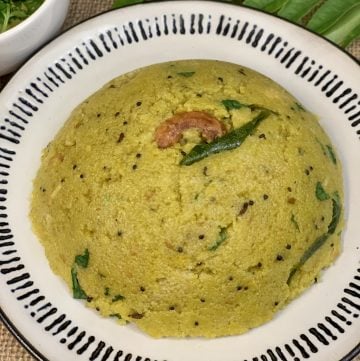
x=107, y=291
x=221, y=238
x=117, y=298
x=78, y=292
x=229, y=141
x=320, y=193
x=328, y=151
x=230, y=104
x=186, y=74
x=294, y=222
x=117, y=315
x=336, y=212
x=331, y=153
x=13, y=12
x=83, y=260
x=196, y=196
x=322, y=146
x=299, y=107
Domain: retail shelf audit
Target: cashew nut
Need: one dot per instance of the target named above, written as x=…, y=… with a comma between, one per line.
x=170, y=131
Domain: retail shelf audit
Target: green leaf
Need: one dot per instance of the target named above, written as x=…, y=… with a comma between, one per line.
x=13, y=12
x=322, y=146
x=83, y=260
x=19, y=14
x=330, y=13
x=336, y=213
x=221, y=238
x=117, y=298
x=331, y=153
x=320, y=193
x=5, y=16
x=230, y=104
x=298, y=106
x=121, y=3
x=186, y=74
x=270, y=6
x=295, y=10
x=78, y=292
x=231, y=140
x=347, y=29
x=116, y=315
x=294, y=222
x=320, y=241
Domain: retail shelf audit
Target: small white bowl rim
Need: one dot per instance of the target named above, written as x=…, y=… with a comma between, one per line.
x=23, y=24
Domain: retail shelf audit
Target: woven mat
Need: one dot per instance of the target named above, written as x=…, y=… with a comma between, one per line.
x=10, y=349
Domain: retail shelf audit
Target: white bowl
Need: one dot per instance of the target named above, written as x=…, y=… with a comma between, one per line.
x=18, y=43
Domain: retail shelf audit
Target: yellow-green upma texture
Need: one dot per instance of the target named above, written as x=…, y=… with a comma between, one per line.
x=210, y=249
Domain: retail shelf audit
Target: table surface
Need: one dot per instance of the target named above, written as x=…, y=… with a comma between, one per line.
x=10, y=349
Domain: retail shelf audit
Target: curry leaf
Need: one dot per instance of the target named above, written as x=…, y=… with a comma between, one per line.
x=116, y=315
x=186, y=74
x=231, y=140
x=221, y=238
x=118, y=298
x=320, y=241
x=78, y=292
x=336, y=213
x=83, y=259
x=294, y=222
x=230, y=104
x=320, y=193
x=331, y=153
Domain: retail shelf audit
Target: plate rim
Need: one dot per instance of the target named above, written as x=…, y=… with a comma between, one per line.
x=4, y=318
x=296, y=25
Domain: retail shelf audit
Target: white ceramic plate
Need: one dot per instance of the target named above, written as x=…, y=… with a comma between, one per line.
x=323, y=324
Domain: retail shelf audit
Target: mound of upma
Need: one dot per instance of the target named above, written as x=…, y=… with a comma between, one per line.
x=192, y=198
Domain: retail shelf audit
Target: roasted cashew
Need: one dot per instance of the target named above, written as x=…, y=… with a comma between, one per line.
x=170, y=131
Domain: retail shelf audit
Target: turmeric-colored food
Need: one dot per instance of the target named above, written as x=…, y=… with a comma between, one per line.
x=192, y=198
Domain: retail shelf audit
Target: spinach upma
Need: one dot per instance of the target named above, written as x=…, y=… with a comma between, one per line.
x=193, y=198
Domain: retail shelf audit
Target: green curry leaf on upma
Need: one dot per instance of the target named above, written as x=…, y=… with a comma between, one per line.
x=82, y=260
x=78, y=292
x=228, y=141
x=320, y=241
x=186, y=74
x=221, y=238
x=320, y=192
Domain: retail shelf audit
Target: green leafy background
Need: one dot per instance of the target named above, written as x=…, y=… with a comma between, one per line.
x=337, y=20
